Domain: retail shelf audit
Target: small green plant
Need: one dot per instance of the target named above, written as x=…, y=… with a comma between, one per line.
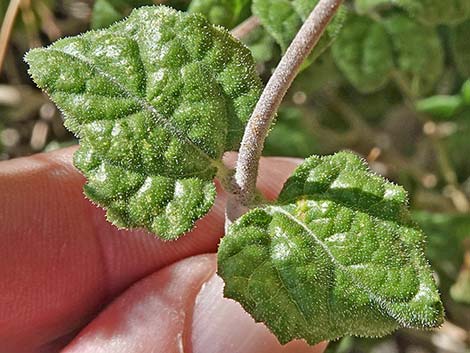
x=156, y=100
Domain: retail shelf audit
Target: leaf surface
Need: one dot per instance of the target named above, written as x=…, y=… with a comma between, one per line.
x=337, y=255
x=364, y=53
x=283, y=19
x=155, y=100
x=410, y=40
x=433, y=12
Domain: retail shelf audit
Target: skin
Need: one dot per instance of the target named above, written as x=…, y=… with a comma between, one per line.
x=71, y=282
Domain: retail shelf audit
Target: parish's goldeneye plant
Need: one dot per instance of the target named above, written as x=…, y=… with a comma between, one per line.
x=157, y=99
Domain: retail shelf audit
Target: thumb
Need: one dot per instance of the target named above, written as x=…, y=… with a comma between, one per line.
x=179, y=309
x=222, y=325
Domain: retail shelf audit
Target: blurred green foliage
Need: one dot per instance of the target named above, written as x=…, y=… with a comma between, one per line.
x=227, y=13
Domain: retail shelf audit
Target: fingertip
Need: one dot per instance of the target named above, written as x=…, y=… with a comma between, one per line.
x=273, y=173
x=154, y=315
x=177, y=309
x=222, y=325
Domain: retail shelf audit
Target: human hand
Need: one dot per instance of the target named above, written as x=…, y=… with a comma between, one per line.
x=61, y=265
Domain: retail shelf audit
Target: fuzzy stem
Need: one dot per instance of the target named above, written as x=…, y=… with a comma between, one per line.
x=245, y=27
x=266, y=108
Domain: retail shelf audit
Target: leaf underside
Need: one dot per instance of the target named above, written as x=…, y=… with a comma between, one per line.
x=155, y=100
x=336, y=255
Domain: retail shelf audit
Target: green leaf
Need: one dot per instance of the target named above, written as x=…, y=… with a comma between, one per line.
x=283, y=19
x=336, y=255
x=104, y=14
x=410, y=40
x=440, y=106
x=227, y=13
x=155, y=101
x=364, y=54
x=433, y=12
x=460, y=47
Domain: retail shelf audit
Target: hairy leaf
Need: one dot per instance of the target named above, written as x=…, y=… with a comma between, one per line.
x=460, y=47
x=227, y=13
x=155, y=100
x=410, y=40
x=364, y=54
x=337, y=255
x=283, y=18
x=437, y=11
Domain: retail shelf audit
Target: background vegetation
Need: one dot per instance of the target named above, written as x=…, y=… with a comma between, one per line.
x=392, y=87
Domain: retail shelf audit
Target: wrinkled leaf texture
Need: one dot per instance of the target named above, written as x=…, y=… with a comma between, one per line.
x=155, y=100
x=336, y=255
x=369, y=53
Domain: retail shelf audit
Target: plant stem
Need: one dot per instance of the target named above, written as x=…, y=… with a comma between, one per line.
x=245, y=27
x=7, y=27
x=266, y=108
